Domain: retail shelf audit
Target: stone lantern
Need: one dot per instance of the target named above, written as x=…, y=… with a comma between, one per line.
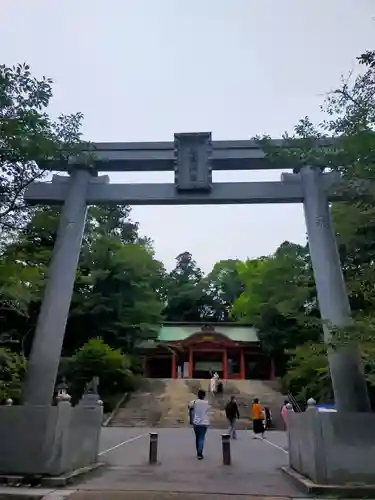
x=62, y=392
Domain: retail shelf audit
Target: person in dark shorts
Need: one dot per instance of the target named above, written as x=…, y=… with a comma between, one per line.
x=257, y=418
x=268, y=418
x=232, y=414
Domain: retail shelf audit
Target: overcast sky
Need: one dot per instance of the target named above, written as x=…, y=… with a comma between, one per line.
x=141, y=70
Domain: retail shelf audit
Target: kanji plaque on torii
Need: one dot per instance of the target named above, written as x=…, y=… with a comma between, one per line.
x=193, y=169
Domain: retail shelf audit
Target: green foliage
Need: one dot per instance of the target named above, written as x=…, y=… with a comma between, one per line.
x=308, y=374
x=345, y=142
x=223, y=285
x=184, y=290
x=117, y=290
x=12, y=372
x=279, y=299
x=97, y=359
x=191, y=296
x=29, y=138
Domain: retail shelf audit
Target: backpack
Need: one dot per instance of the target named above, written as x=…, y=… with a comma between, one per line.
x=191, y=414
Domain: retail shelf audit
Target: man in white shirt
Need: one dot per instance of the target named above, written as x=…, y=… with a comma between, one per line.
x=199, y=418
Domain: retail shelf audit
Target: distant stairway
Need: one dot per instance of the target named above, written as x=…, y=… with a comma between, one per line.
x=164, y=403
x=144, y=409
x=244, y=391
x=158, y=403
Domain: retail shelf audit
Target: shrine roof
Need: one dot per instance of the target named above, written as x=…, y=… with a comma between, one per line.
x=177, y=332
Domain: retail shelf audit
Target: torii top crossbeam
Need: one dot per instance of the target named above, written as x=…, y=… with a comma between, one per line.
x=161, y=156
x=192, y=157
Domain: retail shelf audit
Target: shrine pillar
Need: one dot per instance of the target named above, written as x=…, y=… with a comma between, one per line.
x=191, y=362
x=272, y=369
x=225, y=364
x=174, y=365
x=242, y=365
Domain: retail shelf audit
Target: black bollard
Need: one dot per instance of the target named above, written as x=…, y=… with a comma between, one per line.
x=153, y=455
x=226, y=449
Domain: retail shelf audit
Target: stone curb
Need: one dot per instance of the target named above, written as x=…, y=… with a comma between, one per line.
x=21, y=484
x=163, y=495
x=339, y=491
x=11, y=493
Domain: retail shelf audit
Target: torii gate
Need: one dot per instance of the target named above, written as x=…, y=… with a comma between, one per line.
x=192, y=157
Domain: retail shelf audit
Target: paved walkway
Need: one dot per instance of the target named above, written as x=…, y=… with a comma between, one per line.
x=254, y=470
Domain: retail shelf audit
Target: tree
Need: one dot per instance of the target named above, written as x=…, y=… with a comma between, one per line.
x=121, y=304
x=97, y=359
x=29, y=139
x=308, y=374
x=279, y=299
x=223, y=285
x=116, y=294
x=344, y=141
x=117, y=288
x=185, y=290
x=12, y=372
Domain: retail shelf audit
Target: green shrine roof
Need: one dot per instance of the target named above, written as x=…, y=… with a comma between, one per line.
x=180, y=332
x=170, y=333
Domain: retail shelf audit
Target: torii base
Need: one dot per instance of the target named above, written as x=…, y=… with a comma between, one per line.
x=332, y=452
x=48, y=441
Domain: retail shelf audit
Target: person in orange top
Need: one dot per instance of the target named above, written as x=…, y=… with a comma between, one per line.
x=257, y=417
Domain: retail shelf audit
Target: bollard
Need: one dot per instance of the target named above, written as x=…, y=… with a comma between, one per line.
x=153, y=456
x=226, y=449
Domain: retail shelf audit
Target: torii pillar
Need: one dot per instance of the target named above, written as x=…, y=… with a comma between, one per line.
x=345, y=364
x=45, y=354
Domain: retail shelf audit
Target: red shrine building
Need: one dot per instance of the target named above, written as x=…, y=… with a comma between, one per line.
x=193, y=350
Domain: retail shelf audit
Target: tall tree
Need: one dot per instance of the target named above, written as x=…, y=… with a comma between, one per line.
x=116, y=293
x=29, y=138
x=279, y=299
x=223, y=285
x=185, y=290
x=350, y=121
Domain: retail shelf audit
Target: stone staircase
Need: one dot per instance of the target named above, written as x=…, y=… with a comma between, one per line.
x=244, y=391
x=158, y=403
x=144, y=409
x=163, y=403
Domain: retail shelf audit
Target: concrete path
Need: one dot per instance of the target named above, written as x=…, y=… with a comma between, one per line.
x=254, y=470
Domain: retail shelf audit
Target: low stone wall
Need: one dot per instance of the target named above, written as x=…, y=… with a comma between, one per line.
x=48, y=440
x=332, y=447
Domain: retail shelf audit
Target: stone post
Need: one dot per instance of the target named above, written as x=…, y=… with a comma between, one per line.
x=49, y=335
x=345, y=363
x=311, y=403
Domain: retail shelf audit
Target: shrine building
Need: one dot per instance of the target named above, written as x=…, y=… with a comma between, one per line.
x=193, y=350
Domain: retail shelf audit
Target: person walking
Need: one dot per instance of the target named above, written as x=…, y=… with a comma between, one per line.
x=233, y=414
x=257, y=418
x=213, y=383
x=199, y=418
x=268, y=418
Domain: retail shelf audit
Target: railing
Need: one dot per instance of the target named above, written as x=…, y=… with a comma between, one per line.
x=294, y=403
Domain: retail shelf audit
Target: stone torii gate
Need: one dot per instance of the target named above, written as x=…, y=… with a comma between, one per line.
x=192, y=157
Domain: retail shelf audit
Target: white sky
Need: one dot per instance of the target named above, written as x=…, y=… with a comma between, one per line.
x=141, y=70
